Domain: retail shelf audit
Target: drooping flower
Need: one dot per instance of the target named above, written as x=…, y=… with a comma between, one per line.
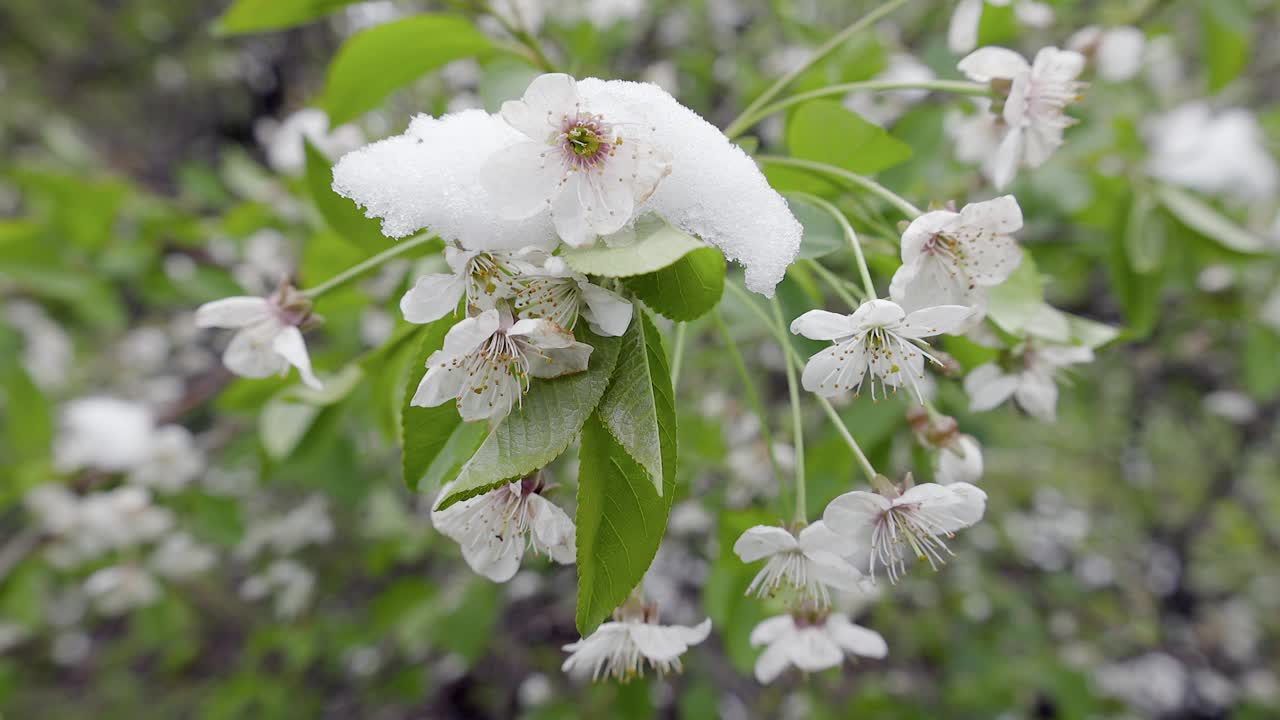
x=951, y=258
x=172, y=461
x=879, y=338
x=883, y=528
x=811, y=642
x=590, y=170
x=483, y=278
x=557, y=293
x=1223, y=153
x=495, y=528
x=960, y=461
x=621, y=649
x=1032, y=382
x=809, y=561
x=268, y=339
x=487, y=361
x=1034, y=111
x=962, y=33
x=103, y=433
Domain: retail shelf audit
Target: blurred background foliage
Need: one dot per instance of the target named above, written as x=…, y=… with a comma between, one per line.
x=1127, y=566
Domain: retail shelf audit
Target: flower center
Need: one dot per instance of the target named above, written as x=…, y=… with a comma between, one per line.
x=583, y=141
x=586, y=141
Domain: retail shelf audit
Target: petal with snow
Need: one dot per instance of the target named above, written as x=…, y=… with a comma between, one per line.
x=521, y=179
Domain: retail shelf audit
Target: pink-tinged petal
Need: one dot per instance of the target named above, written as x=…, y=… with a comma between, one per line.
x=940, y=320
x=988, y=386
x=288, y=344
x=853, y=514
x=432, y=297
x=232, y=312
x=922, y=229
x=1037, y=393
x=250, y=353
x=856, y=639
x=986, y=63
x=962, y=33
x=521, y=179
x=822, y=325
x=545, y=103
x=763, y=541
x=768, y=631
x=463, y=338
x=876, y=313
x=607, y=312
x=569, y=214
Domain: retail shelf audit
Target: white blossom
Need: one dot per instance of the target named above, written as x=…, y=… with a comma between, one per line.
x=976, y=135
x=482, y=278
x=118, y=589
x=589, y=170
x=268, y=339
x=621, y=648
x=1034, y=111
x=307, y=524
x=1032, y=382
x=959, y=461
x=557, y=293
x=172, y=461
x=882, y=530
x=1116, y=52
x=495, y=528
x=1222, y=153
x=47, y=352
x=487, y=361
x=809, y=561
x=951, y=258
x=879, y=338
x=283, y=140
x=884, y=107
x=962, y=33
x=179, y=556
x=103, y=433
x=289, y=581
x=811, y=643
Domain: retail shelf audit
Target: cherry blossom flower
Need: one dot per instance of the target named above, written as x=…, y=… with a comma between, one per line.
x=879, y=338
x=1222, y=153
x=960, y=461
x=590, y=170
x=808, y=561
x=976, y=135
x=1032, y=382
x=482, y=278
x=487, y=361
x=883, y=527
x=172, y=461
x=1034, y=109
x=267, y=339
x=621, y=649
x=557, y=293
x=951, y=258
x=103, y=433
x=495, y=528
x=811, y=642
x=962, y=33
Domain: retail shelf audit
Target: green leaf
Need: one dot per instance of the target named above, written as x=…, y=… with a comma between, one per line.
x=639, y=406
x=342, y=215
x=247, y=16
x=620, y=523
x=822, y=233
x=657, y=245
x=1228, y=33
x=377, y=61
x=1201, y=217
x=1016, y=301
x=546, y=422
x=424, y=432
x=826, y=131
x=686, y=290
x=1144, y=237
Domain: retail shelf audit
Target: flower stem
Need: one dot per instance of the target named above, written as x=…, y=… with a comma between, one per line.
x=523, y=36
x=868, y=286
x=836, y=284
x=866, y=183
x=952, y=86
x=743, y=121
x=779, y=332
x=677, y=353
x=356, y=271
x=797, y=418
x=749, y=387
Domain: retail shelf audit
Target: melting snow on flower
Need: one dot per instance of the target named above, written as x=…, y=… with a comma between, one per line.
x=879, y=338
x=885, y=528
x=495, y=528
x=622, y=648
x=267, y=339
x=811, y=642
x=808, y=561
x=1034, y=111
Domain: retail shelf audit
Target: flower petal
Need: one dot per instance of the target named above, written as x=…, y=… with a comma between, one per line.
x=822, y=325
x=1037, y=393
x=546, y=101
x=232, y=312
x=838, y=369
x=856, y=639
x=569, y=212
x=250, y=353
x=288, y=344
x=986, y=63
x=553, y=529
x=607, y=312
x=854, y=514
x=762, y=541
x=940, y=320
x=465, y=337
x=432, y=297
x=876, y=313
x=812, y=650
x=962, y=33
